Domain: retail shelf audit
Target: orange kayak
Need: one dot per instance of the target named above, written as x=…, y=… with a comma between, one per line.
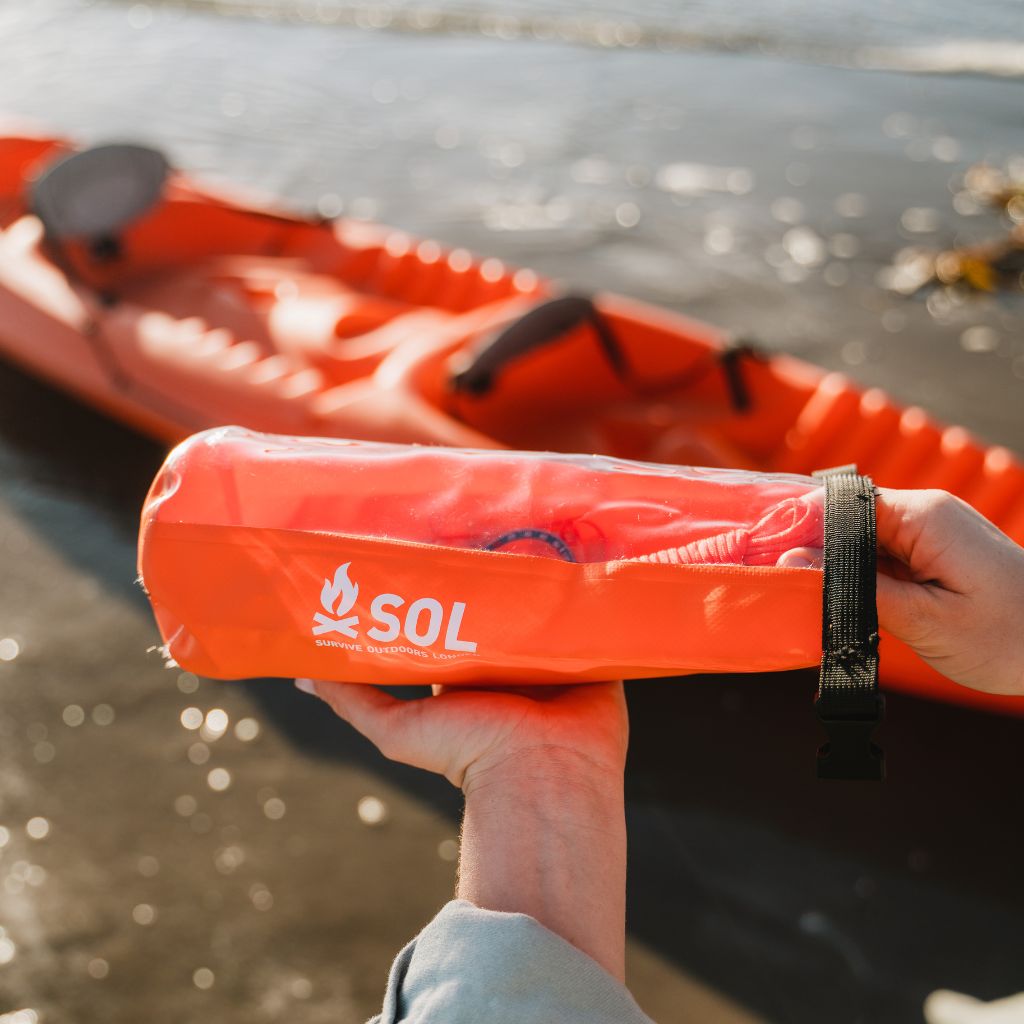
x=175, y=307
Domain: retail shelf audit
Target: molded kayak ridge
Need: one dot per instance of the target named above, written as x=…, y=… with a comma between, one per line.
x=207, y=309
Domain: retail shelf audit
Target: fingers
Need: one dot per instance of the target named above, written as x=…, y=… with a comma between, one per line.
x=899, y=516
x=931, y=533
x=800, y=558
x=942, y=540
x=946, y=1007
x=916, y=525
x=414, y=732
x=370, y=710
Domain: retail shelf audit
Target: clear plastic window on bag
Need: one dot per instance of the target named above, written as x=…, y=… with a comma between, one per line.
x=579, y=508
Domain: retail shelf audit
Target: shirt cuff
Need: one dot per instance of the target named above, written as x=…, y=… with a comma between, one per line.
x=470, y=965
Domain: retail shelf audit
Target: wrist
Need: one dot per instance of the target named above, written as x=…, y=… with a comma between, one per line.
x=557, y=795
x=544, y=772
x=544, y=834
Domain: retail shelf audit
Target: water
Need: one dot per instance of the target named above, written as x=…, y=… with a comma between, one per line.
x=763, y=194
x=926, y=36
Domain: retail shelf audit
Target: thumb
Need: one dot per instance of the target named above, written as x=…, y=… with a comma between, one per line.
x=899, y=516
x=898, y=603
x=910, y=611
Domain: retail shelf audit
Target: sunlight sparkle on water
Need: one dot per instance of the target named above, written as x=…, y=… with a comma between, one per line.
x=247, y=729
x=37, y=828
x=148, y=866
x=215, y=725
x=203, y=978
x=262, y=898
x=73, y=715
x=199, y=753
x=187, y=682
x=227, y=859
x=44, y=752
x=372, y=810
x=144, y=914
x=103, y=714
x=274, y=808
x=191, y=718
x=979, y=339
x=186, y=805
x=98, y=968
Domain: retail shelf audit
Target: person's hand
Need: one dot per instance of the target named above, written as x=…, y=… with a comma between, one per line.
x=544, y=832
x=946, y=1007
x=951, y=586
x=466, y=733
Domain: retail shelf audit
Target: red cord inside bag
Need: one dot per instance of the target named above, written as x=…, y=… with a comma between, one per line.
x=267, y=555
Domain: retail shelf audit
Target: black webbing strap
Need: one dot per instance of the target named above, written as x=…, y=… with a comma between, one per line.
x=848, y=703
x=540, y=326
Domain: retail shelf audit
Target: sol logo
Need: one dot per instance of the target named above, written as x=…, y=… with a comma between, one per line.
x=422, y=623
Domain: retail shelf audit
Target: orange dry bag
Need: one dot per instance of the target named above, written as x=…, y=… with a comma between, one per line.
x=268, y=555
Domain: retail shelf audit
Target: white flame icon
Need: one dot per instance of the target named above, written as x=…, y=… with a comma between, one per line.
x=342, y=587
x=337, y=597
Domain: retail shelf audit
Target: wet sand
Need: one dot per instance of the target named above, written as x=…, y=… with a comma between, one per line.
x=177, y=846
x=130, y=883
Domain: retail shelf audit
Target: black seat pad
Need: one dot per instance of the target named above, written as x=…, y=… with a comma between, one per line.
x=93, y=194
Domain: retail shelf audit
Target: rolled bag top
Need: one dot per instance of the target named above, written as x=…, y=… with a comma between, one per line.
x=265, y=555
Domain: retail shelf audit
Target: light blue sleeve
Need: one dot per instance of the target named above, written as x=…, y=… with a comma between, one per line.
x=471, y=965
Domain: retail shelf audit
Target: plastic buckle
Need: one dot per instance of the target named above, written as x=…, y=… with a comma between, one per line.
x=849, y=754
